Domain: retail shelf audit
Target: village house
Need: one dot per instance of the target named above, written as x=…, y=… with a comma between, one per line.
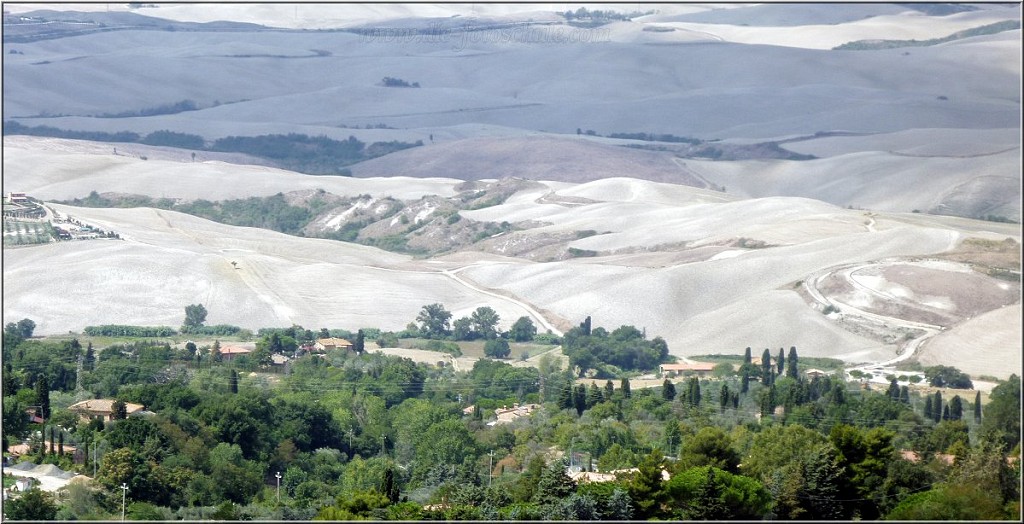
x=506, y=415
x=327, y=344
x=697, y=368
x=229, y=353
x=102, y=408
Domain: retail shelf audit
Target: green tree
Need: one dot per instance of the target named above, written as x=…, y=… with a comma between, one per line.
x=711, y=446
x=646, y=487
x=791, y=364
x=977, y=407
x=497, y=348
x=233, y=382
x=32, y=505
x=668, y=390
x=26, y=327
x=1001, y=423
x=554, y=485
x=522, y=330
x=485, y=322
x=119, y=410
x=42, y=396
x=780, y=362
x=360, y=344
x=623, y=385
x=434, y=320
x=195, y=315
x=723, y=397
x=766, y=367
x=956, y=408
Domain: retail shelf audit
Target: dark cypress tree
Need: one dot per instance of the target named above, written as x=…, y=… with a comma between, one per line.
x=360, y=344
x=585, y=326
x=905, y=395
x=723, y=397
x=693, y=392
x=746, y=356
x=609, y=390
x=945, y=412
x=119, y=410
x=780, y=362
x=565, y=396
x=977, y=407
x=60, y=443
x=894, y=390
x=53, y=437
x=668, y=390
x=766, y=367
x=928, y=407
x=390, y=487
x=744, y=383
x=593, y=395
x=956, y=408
x=579, y=398
x=233, y=381
x=791, y=369
x=735, y=401
x=90, y=358
x=937, y=407
x=624, y=386
x=42, y=391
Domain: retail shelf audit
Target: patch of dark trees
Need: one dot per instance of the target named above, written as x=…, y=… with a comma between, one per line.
x=312, y=155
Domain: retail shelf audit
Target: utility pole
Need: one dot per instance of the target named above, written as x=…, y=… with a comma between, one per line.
x=490, y=469
x=124, y=493
x=278, y=475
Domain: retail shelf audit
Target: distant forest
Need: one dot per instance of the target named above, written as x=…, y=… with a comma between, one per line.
x=318, y=155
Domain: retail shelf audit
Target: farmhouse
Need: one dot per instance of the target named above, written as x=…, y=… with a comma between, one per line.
x=101, y=408
x=698, y=368
x=327, y=344
x=229, y=353
x=507, y=415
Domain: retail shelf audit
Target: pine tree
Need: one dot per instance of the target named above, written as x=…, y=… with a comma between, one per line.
x=217, y=357
x=791, y=369
x=977, y=407
x=609, y=390
x=624, y=386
